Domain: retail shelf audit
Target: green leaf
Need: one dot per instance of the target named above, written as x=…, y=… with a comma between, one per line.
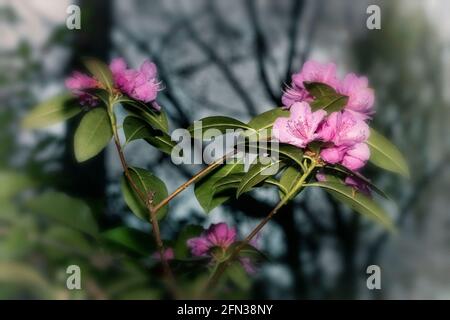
x=289, y=178
x=100, y=93
x=156, y=119
x=330, y=103
x=52, y=111
x=287, y=151
x=247, y=251
x=26, y=277
x=130, y=239
x=385, y=155
x=357, y=175
x=204, y=189
x=263, y=123
x=12, y=183
x=66, y=210
x=101, y=72
x=181, y=249
x=92, y=135
x=149, y=185
x=238, y=276
x=220, y=123
x=356, y=201
x=136, y=128
x=274, y=182
x=62, y=240
x=231, y=181
x=257, y=173
x=326, y=97
x=318, y=89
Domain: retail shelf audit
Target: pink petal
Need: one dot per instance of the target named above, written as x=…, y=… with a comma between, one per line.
x=117, y=65
x=356, y=157
x=221, y=235
x=199, y=246
x=148, y=69
x=361, y=97
x=332, y=155
x=314, y=71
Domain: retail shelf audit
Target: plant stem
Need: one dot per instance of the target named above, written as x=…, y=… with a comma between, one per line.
x=213, y=280
x=147, y=200
x=194, y=179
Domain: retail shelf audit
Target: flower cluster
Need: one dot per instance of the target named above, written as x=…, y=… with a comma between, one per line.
x=217, y=236
x=141, y=84
x=344, y=133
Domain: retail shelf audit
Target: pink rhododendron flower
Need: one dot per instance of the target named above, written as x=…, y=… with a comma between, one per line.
x=343, y=128
x=301, y=127
x=312, y=71
x=79, y=82
x=352, y=157
x=347, y=134
x=139, y=84
x=360, y=97
x=218, y=235
x=168, y=255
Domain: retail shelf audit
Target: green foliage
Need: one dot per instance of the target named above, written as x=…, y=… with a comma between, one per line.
x=129, y=239
x=357, y=201
x=204, y=189
x=339, y=170
x=66, y=210
x=220, y=123
x=180, y=248
x=150, y=186
x=385, y=155
x=101, y=72
x=12, y=183
x=257, y=173
x=156, y=119
x=135, y=128
x=326, y=97
x=263, y=122
x=288, y=179
x=92, y=135
x=52, y=111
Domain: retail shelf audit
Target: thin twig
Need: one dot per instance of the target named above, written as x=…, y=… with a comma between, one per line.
x=147, y=200
x=192, y=180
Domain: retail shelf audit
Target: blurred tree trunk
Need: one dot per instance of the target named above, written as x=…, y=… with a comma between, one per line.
x=88, y=180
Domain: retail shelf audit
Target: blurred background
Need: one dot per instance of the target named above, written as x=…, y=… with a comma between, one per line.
x=230, y=58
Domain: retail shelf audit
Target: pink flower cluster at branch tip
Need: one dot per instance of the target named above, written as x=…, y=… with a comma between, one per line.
x=344, y=133
x=139, y=84
x=217, y=236
x=78, y=83
x=360, y=97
